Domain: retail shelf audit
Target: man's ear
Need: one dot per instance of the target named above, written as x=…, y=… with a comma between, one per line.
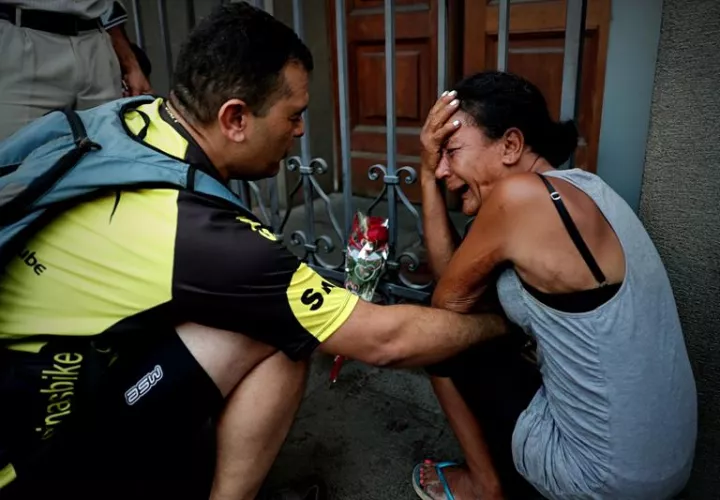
x=233, y=119
x=513, y=143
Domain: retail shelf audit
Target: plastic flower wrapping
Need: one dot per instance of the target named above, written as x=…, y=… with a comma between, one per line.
x=365, y=258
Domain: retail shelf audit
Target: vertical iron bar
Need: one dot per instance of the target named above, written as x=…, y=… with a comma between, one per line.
x=245, y=194
x=390, y=122
x=503, y=31
x=165, y=36
x=572, y=64
x=242, y=189
x=272, y=183
x=190, y=13
x=274, y=204
x=442, y=46
x=298, y=26
x=308, y=195
x=137, y=22
x=344, y=124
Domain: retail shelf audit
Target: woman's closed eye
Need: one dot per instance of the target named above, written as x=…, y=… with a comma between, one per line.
x=450, y=152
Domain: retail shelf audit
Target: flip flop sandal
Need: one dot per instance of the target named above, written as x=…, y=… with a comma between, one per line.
x=420, y=490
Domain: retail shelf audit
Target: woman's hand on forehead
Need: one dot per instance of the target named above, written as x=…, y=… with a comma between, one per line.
x=438, y=128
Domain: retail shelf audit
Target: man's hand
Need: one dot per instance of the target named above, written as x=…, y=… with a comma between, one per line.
x=135, y=83
x=436, y=131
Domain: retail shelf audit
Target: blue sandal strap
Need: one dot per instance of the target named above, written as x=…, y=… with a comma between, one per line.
x=439, y=467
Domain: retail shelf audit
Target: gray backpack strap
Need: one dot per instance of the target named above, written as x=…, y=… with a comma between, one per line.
x=17, y=205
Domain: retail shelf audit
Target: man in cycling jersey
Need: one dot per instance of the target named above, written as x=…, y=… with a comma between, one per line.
x=131, y=319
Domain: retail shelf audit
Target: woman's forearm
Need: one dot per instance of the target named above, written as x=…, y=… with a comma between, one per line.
x=440, y=236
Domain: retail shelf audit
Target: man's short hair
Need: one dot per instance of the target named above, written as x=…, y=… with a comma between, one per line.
x=236, y=52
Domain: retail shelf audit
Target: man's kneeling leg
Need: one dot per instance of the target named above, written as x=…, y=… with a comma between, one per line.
x=260, y=407
x=133, y=434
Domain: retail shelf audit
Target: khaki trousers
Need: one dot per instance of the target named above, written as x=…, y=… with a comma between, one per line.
x=41, y=71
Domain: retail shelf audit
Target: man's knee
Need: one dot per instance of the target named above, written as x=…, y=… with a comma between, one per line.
x=229, y=357
x=289, y=376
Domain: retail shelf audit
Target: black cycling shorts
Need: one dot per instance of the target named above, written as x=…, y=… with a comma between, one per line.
x=87, y=422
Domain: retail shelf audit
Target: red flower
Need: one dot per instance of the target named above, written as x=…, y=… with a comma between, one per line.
x=377, y=234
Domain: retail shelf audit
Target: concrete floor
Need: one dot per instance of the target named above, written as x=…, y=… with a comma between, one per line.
x=365, y=433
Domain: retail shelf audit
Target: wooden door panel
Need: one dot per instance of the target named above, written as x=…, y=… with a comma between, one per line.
x=368, y=90
x=536, y=51
x=365, y=138
x=415, y=85
x=546, y=15
x=369, y=25
x=540, y=59
x=360, y=4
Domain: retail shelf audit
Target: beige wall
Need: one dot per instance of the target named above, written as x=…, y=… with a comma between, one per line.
x=320, y=113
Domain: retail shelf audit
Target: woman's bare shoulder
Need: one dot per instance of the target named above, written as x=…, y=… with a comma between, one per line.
x=518, y=192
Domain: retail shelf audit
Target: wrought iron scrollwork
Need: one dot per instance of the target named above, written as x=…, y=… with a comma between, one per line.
x=400, y=282
x=251, y=193
x=407, y=262
x=313, y=246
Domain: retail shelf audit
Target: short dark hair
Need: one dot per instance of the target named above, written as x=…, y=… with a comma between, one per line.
x=498, y=101
x=237, y=51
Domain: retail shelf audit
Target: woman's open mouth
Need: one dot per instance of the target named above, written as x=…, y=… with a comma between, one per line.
x=463, y=190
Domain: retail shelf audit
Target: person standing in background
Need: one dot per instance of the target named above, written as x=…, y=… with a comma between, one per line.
x=60, y=53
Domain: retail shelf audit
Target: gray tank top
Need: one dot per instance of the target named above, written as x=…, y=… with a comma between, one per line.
x=616, y=417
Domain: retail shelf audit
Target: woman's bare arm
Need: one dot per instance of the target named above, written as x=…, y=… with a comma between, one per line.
x=441, y=238
x=487, y=245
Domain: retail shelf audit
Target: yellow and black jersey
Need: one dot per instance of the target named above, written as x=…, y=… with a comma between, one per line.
x=178, y=256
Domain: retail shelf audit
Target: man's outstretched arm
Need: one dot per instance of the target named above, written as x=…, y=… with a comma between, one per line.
x=403, y=336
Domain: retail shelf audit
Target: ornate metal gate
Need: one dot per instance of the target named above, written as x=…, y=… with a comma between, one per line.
x=263, y=196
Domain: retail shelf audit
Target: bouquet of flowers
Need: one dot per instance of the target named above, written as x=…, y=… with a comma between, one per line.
x=365, y=258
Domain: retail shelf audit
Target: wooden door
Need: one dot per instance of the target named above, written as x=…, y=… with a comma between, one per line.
x=415, y=90
x=536, y=43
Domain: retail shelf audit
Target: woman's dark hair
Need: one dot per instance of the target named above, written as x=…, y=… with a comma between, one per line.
x=499, y=101
x=237, y=51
